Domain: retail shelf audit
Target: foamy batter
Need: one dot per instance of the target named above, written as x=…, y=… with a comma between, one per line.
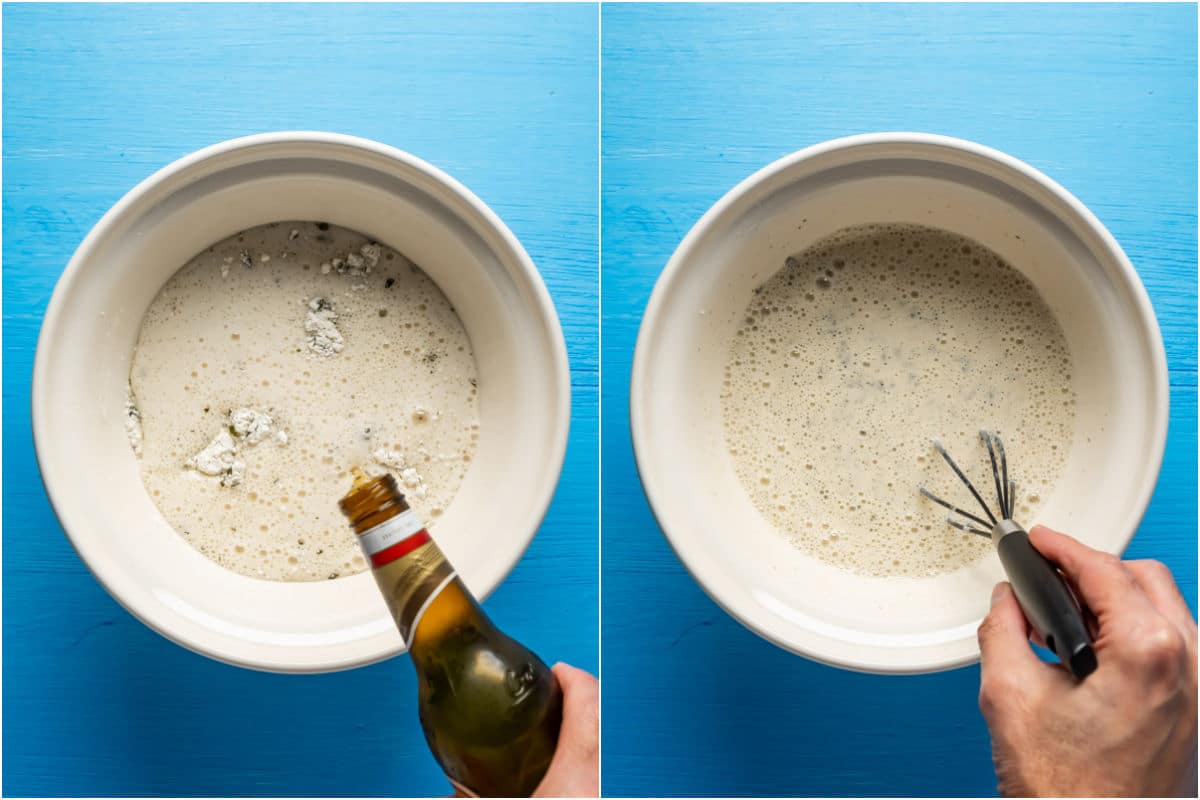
x=271, y=364
x=859, y=352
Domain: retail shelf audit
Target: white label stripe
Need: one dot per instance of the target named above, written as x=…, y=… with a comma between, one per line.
x=386, y=534
x=421, y=611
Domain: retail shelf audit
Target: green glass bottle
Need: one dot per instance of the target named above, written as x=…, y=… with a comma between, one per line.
x=489, y=707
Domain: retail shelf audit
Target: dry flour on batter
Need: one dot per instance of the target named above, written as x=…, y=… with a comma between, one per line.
x=275, y=361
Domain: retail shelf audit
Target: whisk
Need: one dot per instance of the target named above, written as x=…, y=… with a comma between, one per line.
x=1041, y=590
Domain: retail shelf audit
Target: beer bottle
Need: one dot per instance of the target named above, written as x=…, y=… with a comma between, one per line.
x=489, y=707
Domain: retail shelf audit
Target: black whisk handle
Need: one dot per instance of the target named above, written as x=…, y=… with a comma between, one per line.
x=1045, y=598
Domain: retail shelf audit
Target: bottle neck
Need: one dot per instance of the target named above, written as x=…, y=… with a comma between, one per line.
x=452, y=614
x=423, y=592
x=410, y=569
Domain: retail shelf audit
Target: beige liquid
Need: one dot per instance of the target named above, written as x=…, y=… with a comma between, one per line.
x=395, y=377
x=859, y=352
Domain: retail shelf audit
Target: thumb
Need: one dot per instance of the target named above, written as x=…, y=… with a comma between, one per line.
x=575, y=769
x=581, y=710
x=1007, y=661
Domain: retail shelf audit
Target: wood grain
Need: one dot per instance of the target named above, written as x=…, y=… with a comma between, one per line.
x=695, y=98
x=504, y=98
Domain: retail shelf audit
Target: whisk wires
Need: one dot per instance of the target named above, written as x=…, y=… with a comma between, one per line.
x=991, y=448
x=1005, y=489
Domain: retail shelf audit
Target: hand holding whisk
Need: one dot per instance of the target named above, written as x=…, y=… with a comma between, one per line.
x=1041, y=590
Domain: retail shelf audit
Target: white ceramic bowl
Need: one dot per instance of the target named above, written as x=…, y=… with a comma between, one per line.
x=91, y=326
x=886, y=624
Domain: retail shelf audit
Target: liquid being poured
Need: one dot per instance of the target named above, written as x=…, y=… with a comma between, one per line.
x=360, y=476
x=854, y=356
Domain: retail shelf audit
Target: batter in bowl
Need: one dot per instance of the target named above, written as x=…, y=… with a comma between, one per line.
x=274, y=362
x=856, y=354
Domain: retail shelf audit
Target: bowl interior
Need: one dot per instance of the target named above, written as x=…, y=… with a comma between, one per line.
x=85, y=353
x=885, y=624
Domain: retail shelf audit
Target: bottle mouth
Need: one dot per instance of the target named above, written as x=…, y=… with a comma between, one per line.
x=369, y=495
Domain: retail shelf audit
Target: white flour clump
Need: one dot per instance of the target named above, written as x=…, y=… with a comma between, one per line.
x=371, y=253
x=412, y=480
x=133, y=422
x=355, y=264
x=323, y=336
x=254, y=426
x=389, y=459
x=219, y=458
x=394, y=461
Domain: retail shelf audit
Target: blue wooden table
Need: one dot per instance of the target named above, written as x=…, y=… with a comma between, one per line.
x=695, y=98
x=95, y=99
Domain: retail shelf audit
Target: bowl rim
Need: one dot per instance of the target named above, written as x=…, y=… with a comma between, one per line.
x=51, y=474
x=657, y=497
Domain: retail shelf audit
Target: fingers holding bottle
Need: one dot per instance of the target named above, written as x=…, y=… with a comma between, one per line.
x=575, y=769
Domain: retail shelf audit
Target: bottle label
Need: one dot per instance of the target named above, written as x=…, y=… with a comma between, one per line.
x=394, y=538
x=409, y=568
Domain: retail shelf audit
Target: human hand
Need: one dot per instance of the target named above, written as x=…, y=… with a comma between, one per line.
x=575, y=769
x=1129, y=729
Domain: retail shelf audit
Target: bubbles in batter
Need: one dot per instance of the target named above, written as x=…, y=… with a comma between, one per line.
x=859, y=352
x=274, y=362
